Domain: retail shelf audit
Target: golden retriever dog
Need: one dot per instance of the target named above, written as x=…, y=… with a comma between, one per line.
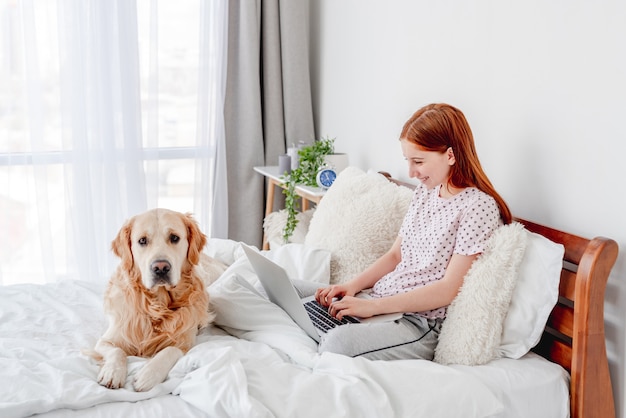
x=156, y=300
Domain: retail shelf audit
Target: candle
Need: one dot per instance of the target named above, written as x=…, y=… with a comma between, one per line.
x=284, y=164
x=293, y=154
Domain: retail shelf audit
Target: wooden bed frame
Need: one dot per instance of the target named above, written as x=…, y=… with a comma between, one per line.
x=574, y=335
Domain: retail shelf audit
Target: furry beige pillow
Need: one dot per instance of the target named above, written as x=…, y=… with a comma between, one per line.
x=274, y=223
x=472, y=330
x=357, y=221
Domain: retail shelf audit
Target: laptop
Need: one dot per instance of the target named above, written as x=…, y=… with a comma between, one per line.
x=311, y=316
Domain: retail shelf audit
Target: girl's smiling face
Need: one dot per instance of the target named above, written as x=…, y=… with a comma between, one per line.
x=430, y=167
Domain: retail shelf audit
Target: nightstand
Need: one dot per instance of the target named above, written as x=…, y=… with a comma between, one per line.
x=308, y=193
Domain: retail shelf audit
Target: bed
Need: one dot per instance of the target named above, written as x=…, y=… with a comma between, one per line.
x=253, y=361
x=574, y=334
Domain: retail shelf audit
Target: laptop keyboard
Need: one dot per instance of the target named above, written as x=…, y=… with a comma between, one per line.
x=322, y=319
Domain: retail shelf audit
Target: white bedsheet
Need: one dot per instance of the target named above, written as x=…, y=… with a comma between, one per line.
x=260, y=371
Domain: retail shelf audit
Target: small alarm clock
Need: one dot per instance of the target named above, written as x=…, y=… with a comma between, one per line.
x=325, y=177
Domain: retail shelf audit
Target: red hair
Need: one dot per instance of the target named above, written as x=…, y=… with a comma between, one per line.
x=437, y=127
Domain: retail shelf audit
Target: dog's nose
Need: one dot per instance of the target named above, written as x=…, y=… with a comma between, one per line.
x=160, y=268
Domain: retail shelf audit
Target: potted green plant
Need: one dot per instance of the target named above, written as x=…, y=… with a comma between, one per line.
x=311, y=159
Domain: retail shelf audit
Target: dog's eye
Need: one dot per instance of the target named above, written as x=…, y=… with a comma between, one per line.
x=174, y=239
x=143, y=241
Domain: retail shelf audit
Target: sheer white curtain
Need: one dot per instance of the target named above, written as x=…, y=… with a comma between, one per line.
x=107, y=108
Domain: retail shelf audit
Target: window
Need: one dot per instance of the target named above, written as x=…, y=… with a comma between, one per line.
x=107, y=108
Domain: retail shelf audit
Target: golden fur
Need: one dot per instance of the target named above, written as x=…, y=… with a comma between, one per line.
x=156, y=299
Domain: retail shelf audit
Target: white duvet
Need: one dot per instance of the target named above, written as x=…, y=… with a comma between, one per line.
x=256, y=364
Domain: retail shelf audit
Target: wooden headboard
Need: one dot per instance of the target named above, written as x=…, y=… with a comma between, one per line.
x=574, y=335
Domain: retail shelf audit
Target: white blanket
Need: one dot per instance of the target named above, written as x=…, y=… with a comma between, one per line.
x=265, y=366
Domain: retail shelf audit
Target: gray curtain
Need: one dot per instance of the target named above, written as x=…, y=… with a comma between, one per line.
x=268, y=101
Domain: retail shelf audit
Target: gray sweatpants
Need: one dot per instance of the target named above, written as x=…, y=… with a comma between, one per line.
x=411, y=337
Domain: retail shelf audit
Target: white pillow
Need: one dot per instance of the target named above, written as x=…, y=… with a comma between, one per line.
x=357, y=221
x=472, y=329
x=300, y=263
x=534, y=297
x=224, y=250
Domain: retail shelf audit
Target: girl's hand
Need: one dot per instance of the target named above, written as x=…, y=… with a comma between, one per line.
x=349, y=305
x=326, y=295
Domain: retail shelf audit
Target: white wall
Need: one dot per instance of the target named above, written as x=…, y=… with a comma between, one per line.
x=543, y=85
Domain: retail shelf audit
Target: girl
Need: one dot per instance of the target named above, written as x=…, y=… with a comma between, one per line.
x=453, y=212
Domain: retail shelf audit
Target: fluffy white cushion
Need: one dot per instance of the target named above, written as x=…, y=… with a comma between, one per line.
x=357, y=221
x=472, y=330
x=274, y=223
x=534, y=297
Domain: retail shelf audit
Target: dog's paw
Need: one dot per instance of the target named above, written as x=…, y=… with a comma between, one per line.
x=148, y=377
x=156, y=369
x=112, y=376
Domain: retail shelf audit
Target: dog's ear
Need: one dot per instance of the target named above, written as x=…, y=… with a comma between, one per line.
x=197, y=240
x=121, y=245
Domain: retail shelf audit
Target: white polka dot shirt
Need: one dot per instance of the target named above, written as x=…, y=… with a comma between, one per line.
x=433, y=230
